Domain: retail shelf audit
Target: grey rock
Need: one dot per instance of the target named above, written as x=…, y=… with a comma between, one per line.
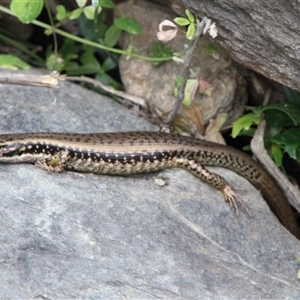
x=72, y=235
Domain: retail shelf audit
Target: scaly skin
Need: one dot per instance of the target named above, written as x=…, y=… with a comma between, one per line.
x=137, y=152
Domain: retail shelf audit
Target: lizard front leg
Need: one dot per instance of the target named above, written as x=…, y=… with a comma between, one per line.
x=55, y=162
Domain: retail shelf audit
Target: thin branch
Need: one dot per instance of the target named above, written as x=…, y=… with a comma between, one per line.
x=31, y=80
x=109, y=89
x=186, y=71
x=52, y=81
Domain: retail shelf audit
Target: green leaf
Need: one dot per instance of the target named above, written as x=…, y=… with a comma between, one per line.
x=27, y=10
x=293, y=96
x=75, y=14
x=246, y=148
x=89, y=60
x=107, y=80
x=12, y=62
x=68, y=47
x=112, y=35
x=158, y=49
x=109, y=64
x=289, y=140
x=74, y=69
x=81, y=3
x=128, y=24
x=88, y=63
x=245, y=122
x=89, y=11
x=189, y=91
x=182, y=21
x=107, y=4
x=178, y=81
x=276, y=154
x=92, y=30
x=277, y=119
x=190, y=16
x=61, y=12
x=247, y=132
x=291, y=110
x=191, y=31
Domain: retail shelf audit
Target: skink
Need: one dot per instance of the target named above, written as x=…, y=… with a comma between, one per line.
x=137, y=152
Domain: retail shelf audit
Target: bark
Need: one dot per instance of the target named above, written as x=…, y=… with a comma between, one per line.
x=262, y=35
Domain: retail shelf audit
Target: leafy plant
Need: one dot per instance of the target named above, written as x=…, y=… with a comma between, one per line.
x=27, y=11
x=12, y=62
x=157, y=49
x=284, y=121
x=190, y=22
x=89, y=11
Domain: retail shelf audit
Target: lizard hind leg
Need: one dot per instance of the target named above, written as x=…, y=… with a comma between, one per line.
x=215, y=180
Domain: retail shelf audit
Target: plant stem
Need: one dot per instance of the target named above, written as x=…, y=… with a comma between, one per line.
x=50, y=29
x=52, y=24
x=186, y=71
x=22, y=48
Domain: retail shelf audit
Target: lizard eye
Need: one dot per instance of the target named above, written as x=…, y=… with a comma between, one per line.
x=11, y=150
x=8, y=150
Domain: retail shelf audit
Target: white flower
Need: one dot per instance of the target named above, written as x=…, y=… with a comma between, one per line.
x=167, y=35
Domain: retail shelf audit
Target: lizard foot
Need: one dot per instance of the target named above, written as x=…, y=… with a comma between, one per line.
x=233, y=199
